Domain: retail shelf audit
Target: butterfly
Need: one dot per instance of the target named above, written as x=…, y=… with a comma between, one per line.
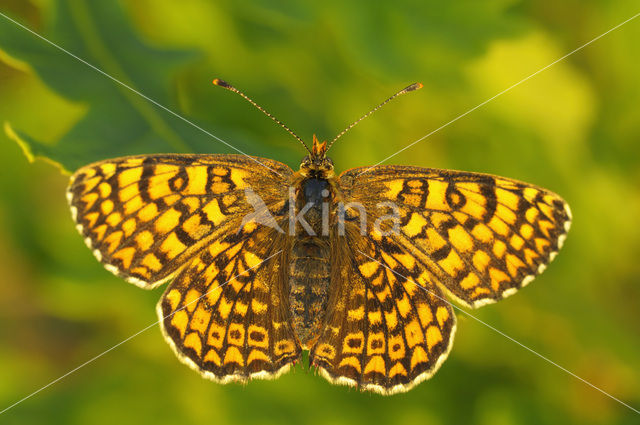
x=356, y=268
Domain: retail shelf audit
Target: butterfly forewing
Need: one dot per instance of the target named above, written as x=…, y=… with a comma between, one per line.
x=145, y=216
x=481, y=237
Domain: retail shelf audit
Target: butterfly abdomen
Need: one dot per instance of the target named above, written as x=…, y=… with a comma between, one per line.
x=310, y=263
x=309, y=273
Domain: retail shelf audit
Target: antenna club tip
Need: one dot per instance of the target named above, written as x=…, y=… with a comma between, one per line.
x=414, y=86
x=221, y=83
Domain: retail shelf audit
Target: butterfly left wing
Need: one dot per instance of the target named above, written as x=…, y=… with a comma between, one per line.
x=145, y=216
x=150, y=218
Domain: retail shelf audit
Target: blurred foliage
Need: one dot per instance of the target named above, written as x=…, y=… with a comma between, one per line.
x=573, y=128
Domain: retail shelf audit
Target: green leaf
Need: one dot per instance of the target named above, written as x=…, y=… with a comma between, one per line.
x=117, y=121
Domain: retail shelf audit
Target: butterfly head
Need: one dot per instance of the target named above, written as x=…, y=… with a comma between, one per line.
x=317, y=164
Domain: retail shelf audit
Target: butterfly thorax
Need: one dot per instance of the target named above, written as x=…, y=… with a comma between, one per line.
x=310, y=266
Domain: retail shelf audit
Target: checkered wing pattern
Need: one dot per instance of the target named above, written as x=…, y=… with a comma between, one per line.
x=152, y=218
x=225, y=315
x=384, y=333
x=145, y=216
x=476, y=238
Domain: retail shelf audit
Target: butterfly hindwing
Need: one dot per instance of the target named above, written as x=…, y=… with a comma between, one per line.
x=385, y=333
x=225, y=315
x=481, y=237
x=145, y=216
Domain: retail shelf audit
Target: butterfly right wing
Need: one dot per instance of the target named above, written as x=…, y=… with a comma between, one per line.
x=389, y=326
x=145, y=216
x=226, y=316
x=474, y=237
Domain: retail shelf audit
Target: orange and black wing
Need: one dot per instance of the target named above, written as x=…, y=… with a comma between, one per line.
x=226, y=316
x=145, y=216
x=151, y=218
x=481, y=237
x=389, y=326
x=429, y=233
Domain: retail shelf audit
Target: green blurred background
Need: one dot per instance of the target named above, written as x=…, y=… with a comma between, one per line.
x=573, y=128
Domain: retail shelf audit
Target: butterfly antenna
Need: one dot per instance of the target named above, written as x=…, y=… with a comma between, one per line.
x=412, y=87
x=224, y=84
